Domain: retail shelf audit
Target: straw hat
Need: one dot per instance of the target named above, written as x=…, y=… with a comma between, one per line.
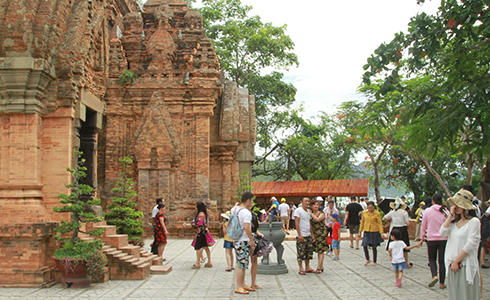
x=283, y=199
x=398, y=204
x=462, y=199
x=273, y=199
x=226, y=215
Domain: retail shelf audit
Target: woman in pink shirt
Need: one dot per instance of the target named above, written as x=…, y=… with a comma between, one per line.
x=432, y=220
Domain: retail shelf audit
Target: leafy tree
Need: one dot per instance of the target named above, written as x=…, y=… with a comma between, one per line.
x=448, y=55
x=246, y=47
x=306, y=151
x=122, y=211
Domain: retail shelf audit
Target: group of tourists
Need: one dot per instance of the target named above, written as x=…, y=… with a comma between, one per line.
x=453, y=236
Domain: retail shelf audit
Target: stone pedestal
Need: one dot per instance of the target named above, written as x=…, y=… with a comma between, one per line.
x=273, y=232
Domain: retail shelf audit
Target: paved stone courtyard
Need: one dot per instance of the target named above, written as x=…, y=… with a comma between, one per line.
x=347, y=278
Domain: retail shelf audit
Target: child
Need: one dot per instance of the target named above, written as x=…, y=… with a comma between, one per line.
x=397, y=259
x=228, y=243
x=336, y=236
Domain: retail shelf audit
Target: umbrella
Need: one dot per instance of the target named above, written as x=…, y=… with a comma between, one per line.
x=384, y=204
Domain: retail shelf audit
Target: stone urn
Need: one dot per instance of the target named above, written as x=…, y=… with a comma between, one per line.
x=74, y=272
x=273, y=232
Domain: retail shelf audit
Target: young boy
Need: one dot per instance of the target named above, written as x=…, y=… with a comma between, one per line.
x=396, y=255
x=336, y=236
x=305, y=238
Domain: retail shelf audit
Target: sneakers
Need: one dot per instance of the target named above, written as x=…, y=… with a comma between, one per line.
x=336, y=258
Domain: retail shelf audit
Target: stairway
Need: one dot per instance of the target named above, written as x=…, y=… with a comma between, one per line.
x=125, y=261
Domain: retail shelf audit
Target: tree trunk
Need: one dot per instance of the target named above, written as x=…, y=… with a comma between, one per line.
x=429, y=169
x=484, y=192
x=470, y=162
x=376, y=171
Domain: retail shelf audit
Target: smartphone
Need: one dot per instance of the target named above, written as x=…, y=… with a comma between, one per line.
x=446, y=212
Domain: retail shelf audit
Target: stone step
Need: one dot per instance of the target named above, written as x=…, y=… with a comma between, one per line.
x=144, y=260
x=116, y=240
x=132, y=250
x=160, y=270
x=109, y=229
x=157, y=261
x=113, y=252
x=86, y=238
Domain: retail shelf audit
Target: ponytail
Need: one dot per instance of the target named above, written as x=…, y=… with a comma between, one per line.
x=437, y=198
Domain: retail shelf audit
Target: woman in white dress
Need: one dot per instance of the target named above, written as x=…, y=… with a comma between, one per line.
x=463, y=232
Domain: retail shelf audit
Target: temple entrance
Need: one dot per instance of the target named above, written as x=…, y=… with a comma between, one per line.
x=88, y=145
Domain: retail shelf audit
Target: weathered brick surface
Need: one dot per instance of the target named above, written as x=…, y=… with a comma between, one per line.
x=60, y=61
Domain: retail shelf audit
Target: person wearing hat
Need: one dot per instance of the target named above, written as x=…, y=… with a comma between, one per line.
x=228, y=243
x=399, y=219
x=274, y=208
x=336, y=236
x=283, y=214
x=320, y=200
x=461, y=258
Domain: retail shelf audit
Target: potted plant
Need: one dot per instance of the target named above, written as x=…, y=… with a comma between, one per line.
x=77, y=259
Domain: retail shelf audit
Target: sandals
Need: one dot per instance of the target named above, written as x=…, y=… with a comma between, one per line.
x=208, y=265
x=257, y=287
x=249, y=288
x=242, y=291
x=302, y=273
x=318, y=271
x=310, y=271
x=228, y=269
x=433, y=282
x=195, y=267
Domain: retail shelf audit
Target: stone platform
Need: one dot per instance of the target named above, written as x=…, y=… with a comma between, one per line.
x=347, y=278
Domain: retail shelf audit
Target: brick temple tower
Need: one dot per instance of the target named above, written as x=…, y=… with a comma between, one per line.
x=190, y=134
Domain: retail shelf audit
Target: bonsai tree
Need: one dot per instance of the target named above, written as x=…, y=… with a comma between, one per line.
x=122, y=211
x=72, y=250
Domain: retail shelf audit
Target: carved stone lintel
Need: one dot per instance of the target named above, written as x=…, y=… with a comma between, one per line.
x=25, y=79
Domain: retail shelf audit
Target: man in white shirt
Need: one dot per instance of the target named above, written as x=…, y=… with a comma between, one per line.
x=283, y=214
x=363, y=203
x=292, y=208
x=154, y=212
x=305, y=238
x=245, y=243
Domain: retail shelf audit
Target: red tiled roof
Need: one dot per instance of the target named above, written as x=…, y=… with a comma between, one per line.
x=311, y=188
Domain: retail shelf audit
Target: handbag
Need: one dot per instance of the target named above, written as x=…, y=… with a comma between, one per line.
x=262, y=247
x=209, y=239
x=329, y=240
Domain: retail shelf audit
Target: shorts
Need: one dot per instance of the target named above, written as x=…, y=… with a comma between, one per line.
x=242, y=254
x=285, y=221
x=335, y=244
x=399, y=266
x=304, y=249
x=228, y=245
x=353, y=229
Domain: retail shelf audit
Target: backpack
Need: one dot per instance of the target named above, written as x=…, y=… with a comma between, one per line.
x=234, y=231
